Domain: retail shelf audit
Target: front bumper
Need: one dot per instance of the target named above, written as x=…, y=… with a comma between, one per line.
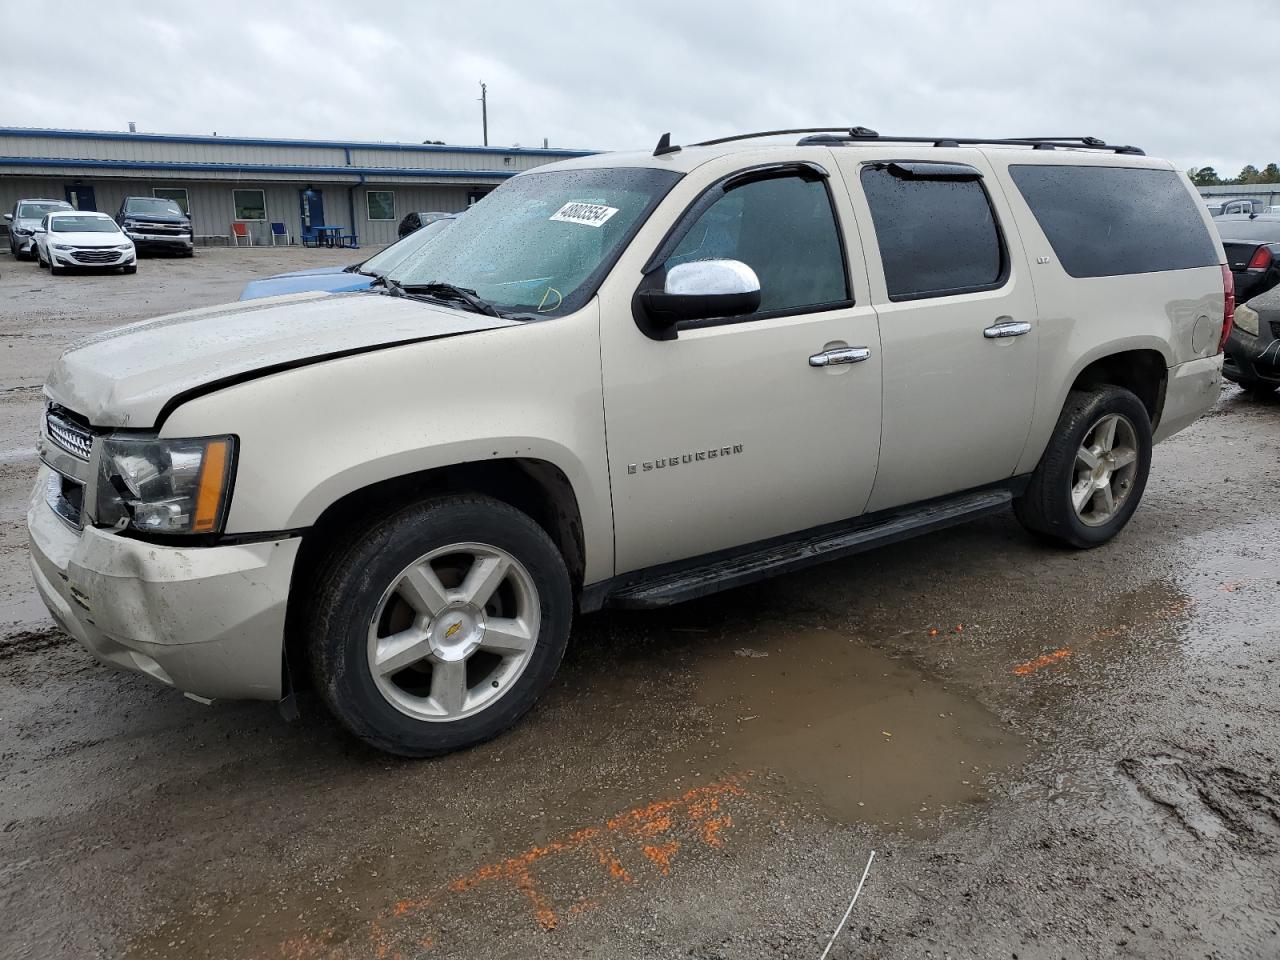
x=24, y=244
x=206, y=620
x=1251, y=359
x=70, y=258
x=161, y=241
x=1193, y=388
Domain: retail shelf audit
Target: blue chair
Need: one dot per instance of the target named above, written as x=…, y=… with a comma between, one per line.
x=279, y=230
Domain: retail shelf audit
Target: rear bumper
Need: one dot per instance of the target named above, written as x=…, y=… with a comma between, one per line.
x=206, y=620
x=1193, y=388
x=1251, y=359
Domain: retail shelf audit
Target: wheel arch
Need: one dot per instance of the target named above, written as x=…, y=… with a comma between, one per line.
x=1143, y=371
x=536, y=487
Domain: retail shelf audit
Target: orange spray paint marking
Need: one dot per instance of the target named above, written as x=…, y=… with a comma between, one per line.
x=647, y=831
x=660, y=855
x=1031, y=666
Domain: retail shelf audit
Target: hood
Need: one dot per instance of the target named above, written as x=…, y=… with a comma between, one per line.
x=339, y=282
x=126, y=377
x=91, y=239
x=25, y=223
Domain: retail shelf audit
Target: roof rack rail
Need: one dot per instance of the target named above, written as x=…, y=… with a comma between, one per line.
x=838, y=135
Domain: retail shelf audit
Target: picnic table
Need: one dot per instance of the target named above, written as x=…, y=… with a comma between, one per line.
x=328, y=236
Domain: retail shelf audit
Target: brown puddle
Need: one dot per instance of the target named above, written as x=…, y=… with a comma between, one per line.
x=857, y=734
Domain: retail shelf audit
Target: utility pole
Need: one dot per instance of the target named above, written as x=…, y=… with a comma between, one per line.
x=484, y=110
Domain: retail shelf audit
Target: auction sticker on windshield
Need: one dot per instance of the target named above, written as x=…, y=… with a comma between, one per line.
x=587, y=214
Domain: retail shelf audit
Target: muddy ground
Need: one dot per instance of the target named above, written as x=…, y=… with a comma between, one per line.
x=1053, y=754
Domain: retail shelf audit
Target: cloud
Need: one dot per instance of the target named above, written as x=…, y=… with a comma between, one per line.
x=614, y=75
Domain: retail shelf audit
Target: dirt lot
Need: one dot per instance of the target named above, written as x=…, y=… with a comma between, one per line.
x=1053, y=754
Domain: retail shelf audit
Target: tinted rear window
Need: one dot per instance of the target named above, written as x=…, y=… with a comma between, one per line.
x=1108, y=221
x=936, y=237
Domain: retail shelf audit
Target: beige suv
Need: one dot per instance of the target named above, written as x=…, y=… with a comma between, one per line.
x=623, y=380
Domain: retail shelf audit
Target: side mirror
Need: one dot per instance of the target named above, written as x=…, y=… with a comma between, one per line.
x=701, y=290
x=8, y=216
x=38, y=228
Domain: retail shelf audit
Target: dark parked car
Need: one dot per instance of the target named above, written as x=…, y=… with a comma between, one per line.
x=1252, y=355
x=416, y=221
x=1252, y=244
x=22, y=221
x=156, y=224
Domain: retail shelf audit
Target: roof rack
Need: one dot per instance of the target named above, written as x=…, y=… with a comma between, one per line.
x=837, y=135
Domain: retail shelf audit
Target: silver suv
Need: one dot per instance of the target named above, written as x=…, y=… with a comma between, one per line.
x=23, y=220
x=623, y=380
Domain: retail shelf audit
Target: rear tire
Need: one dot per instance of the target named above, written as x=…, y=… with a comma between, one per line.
x=1093, y=472
x=439, y=626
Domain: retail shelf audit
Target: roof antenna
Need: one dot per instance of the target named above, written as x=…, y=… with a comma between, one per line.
x=664, y=146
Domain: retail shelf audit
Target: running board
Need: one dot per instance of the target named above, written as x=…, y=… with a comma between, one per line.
x=742, y=568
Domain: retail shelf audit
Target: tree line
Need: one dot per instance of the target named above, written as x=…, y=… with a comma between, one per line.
x=1208, y=177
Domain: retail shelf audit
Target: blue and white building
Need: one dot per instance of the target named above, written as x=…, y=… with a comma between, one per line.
x=221, y=180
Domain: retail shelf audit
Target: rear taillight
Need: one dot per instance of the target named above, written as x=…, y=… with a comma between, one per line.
x=1261, y=259
x=1228, y=305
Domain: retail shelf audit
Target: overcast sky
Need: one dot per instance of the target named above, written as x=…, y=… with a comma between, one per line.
x=615, y=75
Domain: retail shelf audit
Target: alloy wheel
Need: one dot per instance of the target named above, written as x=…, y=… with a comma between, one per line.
x=453, y=632
x=1105, y=467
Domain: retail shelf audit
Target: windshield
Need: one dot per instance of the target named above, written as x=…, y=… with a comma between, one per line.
x=149, y=205
x=384, y=261
x=82, y=225
x=541, y=242
x=35, y=211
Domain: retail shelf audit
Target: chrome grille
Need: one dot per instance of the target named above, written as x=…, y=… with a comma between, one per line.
x=69, y=435
x=96, y=255
x=173, y=229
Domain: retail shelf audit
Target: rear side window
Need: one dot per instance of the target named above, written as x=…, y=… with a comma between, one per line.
x=1110, y=221
x=936, y=236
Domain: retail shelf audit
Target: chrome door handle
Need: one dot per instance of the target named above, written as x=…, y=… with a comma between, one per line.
x=1004, y=327
x=829, y=358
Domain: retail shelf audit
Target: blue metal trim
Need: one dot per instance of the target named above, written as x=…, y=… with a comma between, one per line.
x=305, y=144
x=251, y=168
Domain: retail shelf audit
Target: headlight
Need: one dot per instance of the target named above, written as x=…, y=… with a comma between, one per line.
x=21, y=231
x=165, y=486
x=1246, y=319
x=125, y=247
x=61, y=246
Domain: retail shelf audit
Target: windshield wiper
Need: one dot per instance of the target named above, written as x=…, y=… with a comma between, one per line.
x=393, y=289
x=438, y=290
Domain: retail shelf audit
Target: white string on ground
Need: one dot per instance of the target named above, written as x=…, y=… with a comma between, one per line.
x=845, y=918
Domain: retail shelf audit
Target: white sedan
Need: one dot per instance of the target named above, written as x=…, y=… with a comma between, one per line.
x=81, y=238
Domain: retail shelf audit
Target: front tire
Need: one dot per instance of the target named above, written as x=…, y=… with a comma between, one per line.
x=1093, y=472
x=40, y=259
x=439, y=627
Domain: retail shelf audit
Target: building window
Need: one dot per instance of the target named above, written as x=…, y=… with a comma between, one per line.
x=250, y=204
x=177, y=194
x=381, y=203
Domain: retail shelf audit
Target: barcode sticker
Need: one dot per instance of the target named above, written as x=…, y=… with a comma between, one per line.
x=587, y=214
